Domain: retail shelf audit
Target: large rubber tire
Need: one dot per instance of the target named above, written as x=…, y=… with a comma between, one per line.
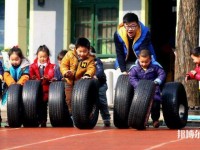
x=14, y=105
x=174, y=105
x=32, y=97
x=85, y=109
x=58, y=110
x=141, y=104
x=122, y=101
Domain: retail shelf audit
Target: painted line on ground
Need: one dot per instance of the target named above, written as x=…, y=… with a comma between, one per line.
x=162, y=144
x=55, y=139
x=10, y=129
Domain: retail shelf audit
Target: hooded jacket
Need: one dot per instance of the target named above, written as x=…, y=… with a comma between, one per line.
x=18, y=74
x=153, y=73
x=78, y=67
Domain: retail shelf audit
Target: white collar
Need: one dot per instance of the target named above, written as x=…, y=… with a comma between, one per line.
x=39, y=64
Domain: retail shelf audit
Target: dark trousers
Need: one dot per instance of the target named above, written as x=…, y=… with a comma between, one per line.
x=155, y=110
x=43, y=111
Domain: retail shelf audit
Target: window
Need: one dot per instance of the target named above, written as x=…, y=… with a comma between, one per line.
x=2, y=14
x=96, y=20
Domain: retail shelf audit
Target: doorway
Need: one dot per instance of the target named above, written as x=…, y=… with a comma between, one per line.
x=163, y=32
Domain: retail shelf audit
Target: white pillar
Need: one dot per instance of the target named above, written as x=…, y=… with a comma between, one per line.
x=15, y=24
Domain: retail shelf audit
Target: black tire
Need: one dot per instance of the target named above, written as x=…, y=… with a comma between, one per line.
x=122, y=101
x=32, y=97
x=85, y=109
x=141, y=104
x=174, y=105
x=14, y=105
x=58, y=110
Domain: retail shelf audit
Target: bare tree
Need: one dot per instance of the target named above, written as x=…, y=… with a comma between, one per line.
x=187, y=38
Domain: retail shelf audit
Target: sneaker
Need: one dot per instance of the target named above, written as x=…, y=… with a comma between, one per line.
x=106, y=123
x=156, y=124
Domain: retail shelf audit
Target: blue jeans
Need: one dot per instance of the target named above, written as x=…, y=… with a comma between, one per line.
x=103, y=104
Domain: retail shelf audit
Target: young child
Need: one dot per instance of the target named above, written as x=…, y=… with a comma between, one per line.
x=1, y=78
x=194, y=74
x=57, y=74
x=43, y=70
x=75, y=65
x=101, y=76
x=144, y=69
x=17, y=71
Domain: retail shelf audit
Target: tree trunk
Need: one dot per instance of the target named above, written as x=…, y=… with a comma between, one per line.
x=186, y=40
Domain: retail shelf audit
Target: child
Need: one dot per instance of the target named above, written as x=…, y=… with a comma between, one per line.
x=57, y=74
x=100, y=75
x=1, y=78
x=144, y=69
x=75, y=65
x=17, y=71
x=194, y=74
x=43, y=70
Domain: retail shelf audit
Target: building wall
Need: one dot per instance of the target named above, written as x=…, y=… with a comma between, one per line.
x=139, y=7
x=46, y=27
x=15, y=27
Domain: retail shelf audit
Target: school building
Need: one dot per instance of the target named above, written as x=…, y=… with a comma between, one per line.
x=57, y=23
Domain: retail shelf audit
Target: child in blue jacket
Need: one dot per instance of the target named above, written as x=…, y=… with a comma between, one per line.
x=100, y=75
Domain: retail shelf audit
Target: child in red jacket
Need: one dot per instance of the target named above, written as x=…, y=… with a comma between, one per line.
x=43, y=70
x=194, y=74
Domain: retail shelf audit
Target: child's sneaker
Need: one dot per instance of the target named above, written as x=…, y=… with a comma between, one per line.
x=106, y=123
x=156, y=124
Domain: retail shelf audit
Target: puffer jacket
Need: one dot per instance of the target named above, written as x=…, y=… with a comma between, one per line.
x=78, y=67
x=48, y=73
x=18, y=74
x=153, y=73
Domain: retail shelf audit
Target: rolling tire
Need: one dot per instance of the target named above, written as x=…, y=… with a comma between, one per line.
x=14, y=105
x=122, y=101
x=85, y=109
x=141, y=105
x=58, y=110
x=174, y=105
x=32, y=97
